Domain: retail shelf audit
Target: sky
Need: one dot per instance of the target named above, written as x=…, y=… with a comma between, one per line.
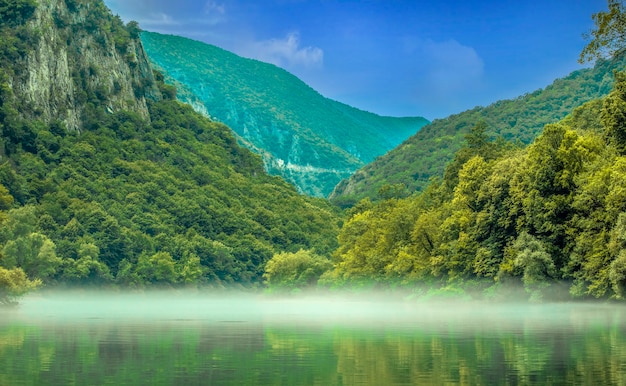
x=391, y=57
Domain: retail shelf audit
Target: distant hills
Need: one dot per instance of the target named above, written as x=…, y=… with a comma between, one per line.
x=310, y=140
x=410, y=166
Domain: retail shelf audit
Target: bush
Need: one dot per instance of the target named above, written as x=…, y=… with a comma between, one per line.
x=294, y=271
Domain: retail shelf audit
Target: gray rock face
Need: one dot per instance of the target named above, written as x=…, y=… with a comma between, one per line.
x=69, y=64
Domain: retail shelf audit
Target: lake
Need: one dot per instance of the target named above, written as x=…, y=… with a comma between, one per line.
x=225, y=339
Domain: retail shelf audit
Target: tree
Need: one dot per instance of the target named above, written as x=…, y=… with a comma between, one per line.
x=537, y=265
x=159, y=268
x=13, y=284
x=613, y=114
x=609, y=37
x=34, y=253
x=294, y=271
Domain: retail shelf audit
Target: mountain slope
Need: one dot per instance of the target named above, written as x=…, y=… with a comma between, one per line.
x=310, y=140
x=104, y=179
x=425, y=154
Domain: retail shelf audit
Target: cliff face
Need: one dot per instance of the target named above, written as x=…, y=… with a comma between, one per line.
x=80, y=56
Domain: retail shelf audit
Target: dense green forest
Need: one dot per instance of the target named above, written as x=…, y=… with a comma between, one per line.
x=548, y=217
x=166, y=197
x=170, y=200
x=410, y=166
x=307, y=139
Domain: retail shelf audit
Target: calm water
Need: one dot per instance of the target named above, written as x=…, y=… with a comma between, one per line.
x=193, y=339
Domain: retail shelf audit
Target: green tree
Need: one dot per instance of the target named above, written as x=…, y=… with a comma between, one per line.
x=159, y=268
x=13, y=284
x=87, y=269
x=294, y=271
x=608, y=39
x=613, y=115
x=536, y=263
x=34, y=253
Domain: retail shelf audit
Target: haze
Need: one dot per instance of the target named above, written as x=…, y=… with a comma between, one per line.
x=337, y=309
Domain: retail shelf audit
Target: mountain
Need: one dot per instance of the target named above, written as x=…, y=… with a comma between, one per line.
x=308, y=139
x=410, y=166
x=105, y=179
x=549, y=219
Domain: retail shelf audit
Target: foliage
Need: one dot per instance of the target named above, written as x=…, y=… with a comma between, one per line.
x=609, y=37
x=132, y=191
x=427, y=154
x=537, y=265
x=294, y=271
x=548, y=216
x=13, y=284
x=613, y=114
x=168, y=199
x=307, y=139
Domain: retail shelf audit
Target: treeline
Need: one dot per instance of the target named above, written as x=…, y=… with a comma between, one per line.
x=545, y=217
x=426, y=154
x=170, y=201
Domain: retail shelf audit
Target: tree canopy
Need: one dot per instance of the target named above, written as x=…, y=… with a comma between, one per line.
x=608, y=39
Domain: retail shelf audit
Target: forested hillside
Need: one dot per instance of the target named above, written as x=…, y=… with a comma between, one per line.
x=546, y=218
x=311, y=141
x=141, y=192
x=410, y=166
x=549, y=218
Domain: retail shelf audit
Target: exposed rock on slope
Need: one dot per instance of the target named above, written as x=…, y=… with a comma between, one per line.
x=308, y=139
x=79, y=55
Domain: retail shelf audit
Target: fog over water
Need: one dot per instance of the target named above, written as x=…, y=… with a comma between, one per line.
x=228, y=338
x=334, y=309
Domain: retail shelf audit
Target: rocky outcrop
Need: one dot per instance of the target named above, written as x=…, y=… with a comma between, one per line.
x=82, y=57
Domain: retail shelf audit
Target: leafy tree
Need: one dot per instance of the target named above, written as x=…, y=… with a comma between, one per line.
x=613, y=113
x=87, y=269
x=34, y=253
x=609, y=37
x=13, y=284
x=159, y=268
x=294, y=271
x=536, y=264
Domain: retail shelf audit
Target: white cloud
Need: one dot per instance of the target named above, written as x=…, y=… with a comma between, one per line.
x=158, y=20
x=285, y=52
x=213, y=8
x=453, y=66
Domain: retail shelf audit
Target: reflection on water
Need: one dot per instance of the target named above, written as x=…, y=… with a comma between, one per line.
x=195, y=339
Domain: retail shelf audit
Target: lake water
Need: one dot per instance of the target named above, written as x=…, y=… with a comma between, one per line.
x=200, y=339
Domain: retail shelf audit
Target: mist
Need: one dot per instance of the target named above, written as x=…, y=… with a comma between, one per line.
x=333, y=309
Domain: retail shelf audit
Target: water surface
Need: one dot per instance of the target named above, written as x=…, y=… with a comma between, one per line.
x=222, y=339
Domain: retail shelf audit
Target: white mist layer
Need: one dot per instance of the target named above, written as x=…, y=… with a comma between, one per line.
x=351, y=311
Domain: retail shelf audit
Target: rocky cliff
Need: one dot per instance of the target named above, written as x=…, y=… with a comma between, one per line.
x=79, y=56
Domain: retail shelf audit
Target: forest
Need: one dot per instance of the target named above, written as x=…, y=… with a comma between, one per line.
x=173, y=200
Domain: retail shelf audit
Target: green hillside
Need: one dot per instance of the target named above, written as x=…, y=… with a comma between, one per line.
x=311, y=141
x=156, y=196
x=549, y=219
x=425, y=155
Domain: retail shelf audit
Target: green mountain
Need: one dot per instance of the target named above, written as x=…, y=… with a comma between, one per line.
x=549, y=219
x=104, y=179
x=311, y=141
x=411, y=165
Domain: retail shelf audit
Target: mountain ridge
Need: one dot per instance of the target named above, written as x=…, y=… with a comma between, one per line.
x=274, y=112
x=425, y=154
x=106, y=180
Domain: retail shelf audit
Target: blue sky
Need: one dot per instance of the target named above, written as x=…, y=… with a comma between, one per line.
x=400, y=58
